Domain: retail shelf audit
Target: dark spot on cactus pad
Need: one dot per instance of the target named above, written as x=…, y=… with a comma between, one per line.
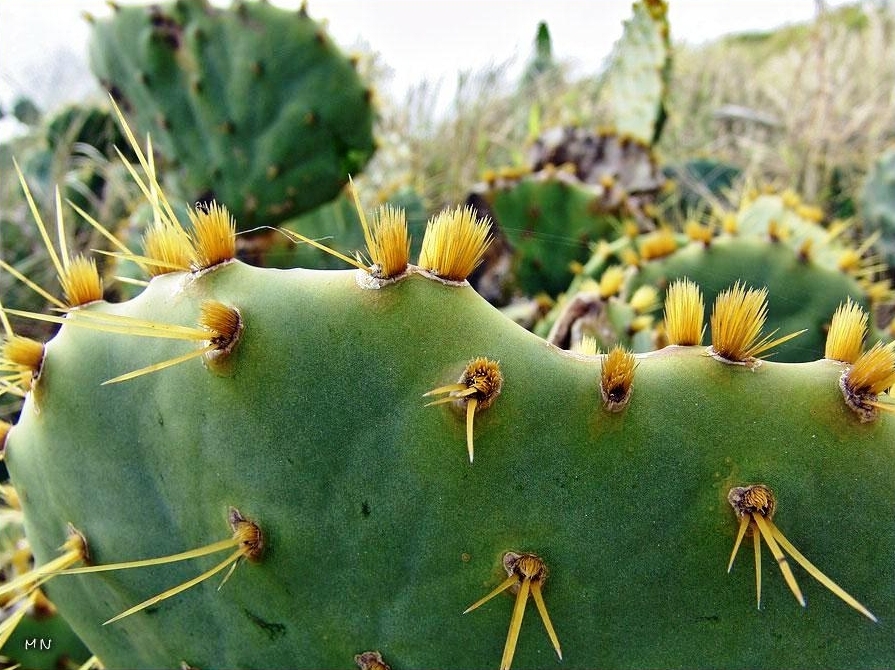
x=271, y=629
x=616, y=394
x=166, y=28
x=365, y=509
x=282, y=208
x=117, y=96
x=206, y=197
x=710, y=618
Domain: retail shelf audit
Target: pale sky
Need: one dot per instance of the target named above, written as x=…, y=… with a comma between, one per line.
x=42, y=42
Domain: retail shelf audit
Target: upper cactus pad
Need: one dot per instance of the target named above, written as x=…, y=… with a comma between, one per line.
x=254, y=104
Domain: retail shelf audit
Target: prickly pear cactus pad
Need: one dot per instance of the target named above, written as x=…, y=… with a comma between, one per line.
x=772, y=240
x=244, y=467
x=255, y=104
x=878, y=204
x=304, y=443
x=640, y=72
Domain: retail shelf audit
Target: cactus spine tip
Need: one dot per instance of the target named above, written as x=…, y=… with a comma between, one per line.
x=219, y=326
x=167, y=248
x=870, y=376
x=617, y=378
x=81, y=282
x=737, y=319
x=684, y=313
x=848, y=328
x=78, y=276
x=387, y=240
x=658, y=244
x=454, y=243
x=74, y=551
x=214, y=235
x=21, y=359
x=755, y=506
x=247, y=538
x=527, y=572
x=476, y=390
x=587, y=346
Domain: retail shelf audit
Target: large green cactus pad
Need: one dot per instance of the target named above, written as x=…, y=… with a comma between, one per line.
x=379, y=531
x=254, y=103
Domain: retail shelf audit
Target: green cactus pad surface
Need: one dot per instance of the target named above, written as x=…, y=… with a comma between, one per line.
x=878, y=205
x=379, y=532
x=255, y=104
x=770, y=243
x=548, y=222
x=638, y=79
x=804, y=294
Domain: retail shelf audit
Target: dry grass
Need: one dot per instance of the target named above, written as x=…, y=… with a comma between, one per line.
x=829, y=85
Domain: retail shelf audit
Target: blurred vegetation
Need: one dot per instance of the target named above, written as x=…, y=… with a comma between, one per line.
x=807, y=107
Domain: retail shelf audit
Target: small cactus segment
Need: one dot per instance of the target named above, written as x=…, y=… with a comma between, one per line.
x=639, y=72
x=255, y=103
x=577, y=188
x=527, y=573
x=755, y=506
x=578, y=184
x=878, y=205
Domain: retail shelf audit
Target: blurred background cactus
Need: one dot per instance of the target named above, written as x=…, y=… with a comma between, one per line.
x=251, y=105
x=764, y=160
